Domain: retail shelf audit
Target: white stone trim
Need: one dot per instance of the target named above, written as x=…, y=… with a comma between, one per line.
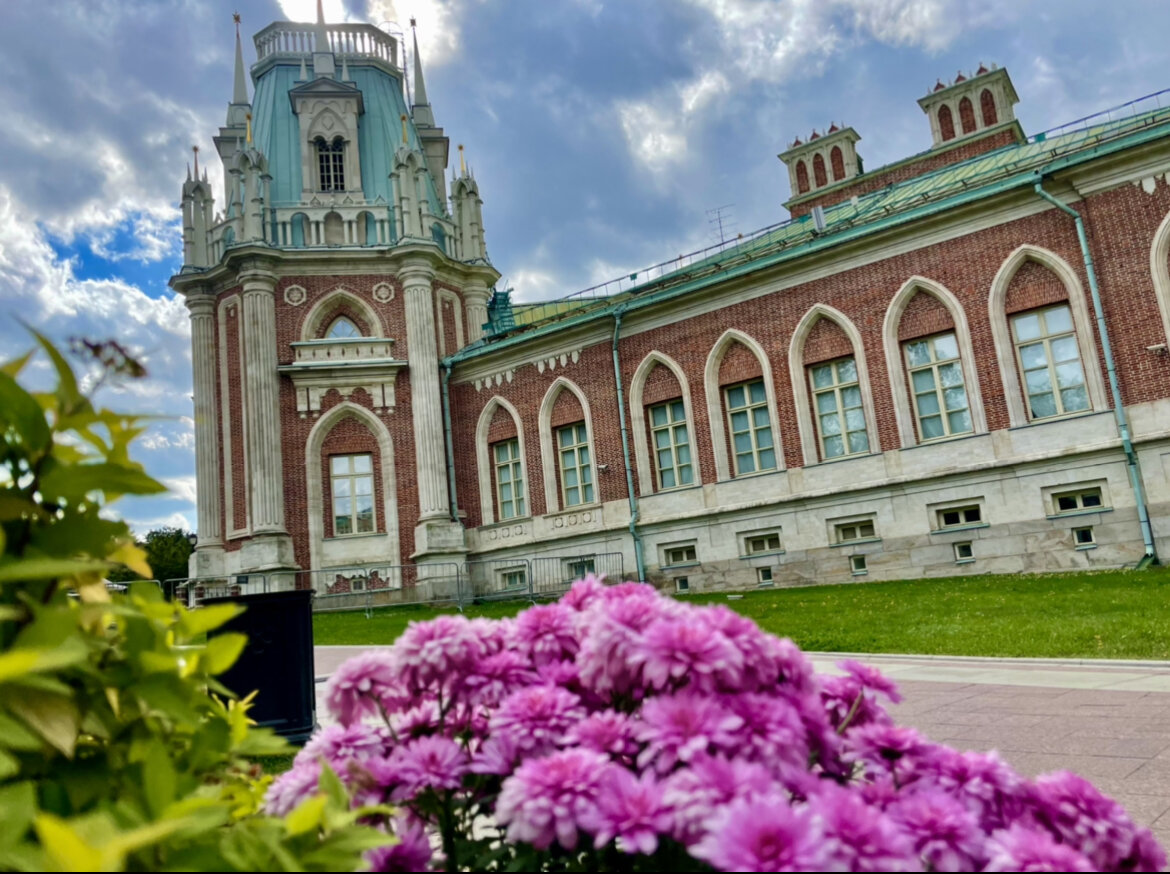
x=548, y=452
x=810, y=448
x=646, y=479
x=895, y=364
x=1160, y=271
x=232, y=301
x=715, y=414
x=441, y=295
x=1001, y=332
x=311, y=325
x=485, y=464
x=315, y=500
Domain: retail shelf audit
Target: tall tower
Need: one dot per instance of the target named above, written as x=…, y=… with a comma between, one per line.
x=322, y=298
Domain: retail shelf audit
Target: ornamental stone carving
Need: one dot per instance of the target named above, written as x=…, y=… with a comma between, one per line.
x=383, y=292
x=294, y=295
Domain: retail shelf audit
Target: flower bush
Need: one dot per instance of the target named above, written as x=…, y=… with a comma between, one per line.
x=622, y=730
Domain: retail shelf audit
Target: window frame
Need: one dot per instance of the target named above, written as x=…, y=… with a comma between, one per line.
x=515, y=465
x=1078, y=495
x=357, y=332
x=684, y=560
x=671, y=428
x=761, y=573
x=1091, y=543
x=586, y=487
x=933, y=366
x=964, y=522
x=768, y=549
x=567, y=565
x=858, y=565
x=503, y=574
x=839, y=528
x=351, y=477
x=959, y=546
x=1046, y=339
x=839, y=410
x=750, y=408
x=330, y=156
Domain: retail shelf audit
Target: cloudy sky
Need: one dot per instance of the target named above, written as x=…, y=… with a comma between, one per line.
x=601, y=133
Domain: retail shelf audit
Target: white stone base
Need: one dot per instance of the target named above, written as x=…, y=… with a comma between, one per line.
x=266, y=552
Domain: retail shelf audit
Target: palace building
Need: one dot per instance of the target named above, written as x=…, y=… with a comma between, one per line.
x=956, y=363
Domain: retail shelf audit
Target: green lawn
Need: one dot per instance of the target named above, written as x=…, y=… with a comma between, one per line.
x=1116, y=614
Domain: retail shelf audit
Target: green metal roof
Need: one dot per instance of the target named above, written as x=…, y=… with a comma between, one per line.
x=1007, y=167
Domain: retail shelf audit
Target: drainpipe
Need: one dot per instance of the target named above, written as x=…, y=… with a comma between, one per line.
x=639, y=557
x=452, y=492
x=1131, y=459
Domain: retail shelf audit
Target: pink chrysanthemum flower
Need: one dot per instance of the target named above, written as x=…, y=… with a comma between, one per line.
x=871, y=678
x=548, y=798
x=421, y=764
x=434, y=654
x=763, y=834
x=547, y=633
x=981, y=781
x=495, y=677
x=607, y=732
x=291, y=788
x=945, y=834
x=859, y=837
x=536, y=718
x=496, y=755
x=340, y=744
x=890, y=749
x=629, y=809
x=676, y=651
x=696, y=793
x=411, y=853
x=682, y=726
x=416, y=721
x=584, y=592
x=772, y=732
x=358, y=685
x=1020, y=848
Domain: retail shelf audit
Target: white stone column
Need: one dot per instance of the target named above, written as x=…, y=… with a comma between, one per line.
x=425, y=401
x=475, y=296
x=262, y=400
x=207, y=486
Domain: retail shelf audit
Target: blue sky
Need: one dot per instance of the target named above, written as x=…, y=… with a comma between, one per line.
x=600, y=134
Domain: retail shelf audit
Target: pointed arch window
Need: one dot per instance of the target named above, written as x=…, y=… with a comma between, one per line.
x=840, y=414
x=342, y=329
x=331, y=164
x=940, y=393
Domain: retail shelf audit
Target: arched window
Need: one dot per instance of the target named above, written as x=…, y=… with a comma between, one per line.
x=967, y=115
x=342, y=329
x=946, y=124
x=741, y=407
x=987, y=107
x=801, y=177
x=819, y=171
x=838, y=162
x=331, y=164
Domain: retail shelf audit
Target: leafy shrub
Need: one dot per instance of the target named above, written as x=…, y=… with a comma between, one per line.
x=622, y=730
x=118, y=747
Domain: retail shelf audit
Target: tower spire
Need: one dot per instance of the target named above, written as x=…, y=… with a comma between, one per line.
x=240, y=88
x=420, y=87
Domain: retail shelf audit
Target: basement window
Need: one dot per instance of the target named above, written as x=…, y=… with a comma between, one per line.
x=858, y=565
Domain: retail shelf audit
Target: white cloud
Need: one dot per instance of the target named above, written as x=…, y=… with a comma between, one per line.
x=533, y=284
x=182, y=488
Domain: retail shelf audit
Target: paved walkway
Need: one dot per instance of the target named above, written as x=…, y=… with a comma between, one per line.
x=1106, y=720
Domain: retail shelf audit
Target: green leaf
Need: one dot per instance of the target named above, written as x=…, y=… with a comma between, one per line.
x=29, y=569
x=14, y=366
x=66, y=849
x=66, y=382
x=158, y=778
x=331, y=785
x=75, y=481
x=20, y=410
x=204, y=619
x=306, y=816
x=18, y=806
x=223, y=650
x=17, y=663
x=9, y=765
x=16, y=736
x=53, y=717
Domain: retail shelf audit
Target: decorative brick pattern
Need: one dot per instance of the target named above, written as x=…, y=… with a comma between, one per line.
x=826, y=341
x=924, y=315
x=1034, y=285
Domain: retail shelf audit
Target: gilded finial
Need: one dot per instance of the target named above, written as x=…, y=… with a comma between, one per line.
x=236, y=19
x=462, y=164
x=403, y=118
x=248, y=135
x=195, y=149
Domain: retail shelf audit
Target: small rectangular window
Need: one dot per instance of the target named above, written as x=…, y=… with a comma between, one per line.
x=1084, y=536
x=682, y=584
x=514, y=578
x=677, y=555
x=955, y=517
x=1076, y=501
x=840, y=415
x=509, y=479
x=858, y=565
x=576, y=568
x=848, y=532
x=764, y=576
x=964, y=552
x=351, y=481
x=576, y=465
x=762, y=543
x=751, y=427
x=672, y=445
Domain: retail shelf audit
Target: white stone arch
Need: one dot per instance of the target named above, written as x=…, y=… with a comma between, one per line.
x=446, y=294
x=548, y=450
x=484, y=462
x=314, y=498
x=312, y=325
x=646, y=479
x=895, y=365
x=1002, y=335
x=1160, y=271
x=327, y=125
x=809, y=446
x=715, y=416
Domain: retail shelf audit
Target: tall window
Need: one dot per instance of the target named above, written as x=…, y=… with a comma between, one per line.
x=936, y=376
x=509, y=479
x=840, y=417
x=576, y=467
x=352, y=480
x=342, y=329
x=1050, y=362
x=331, y=164
x=672, y=446
x=751, y=427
